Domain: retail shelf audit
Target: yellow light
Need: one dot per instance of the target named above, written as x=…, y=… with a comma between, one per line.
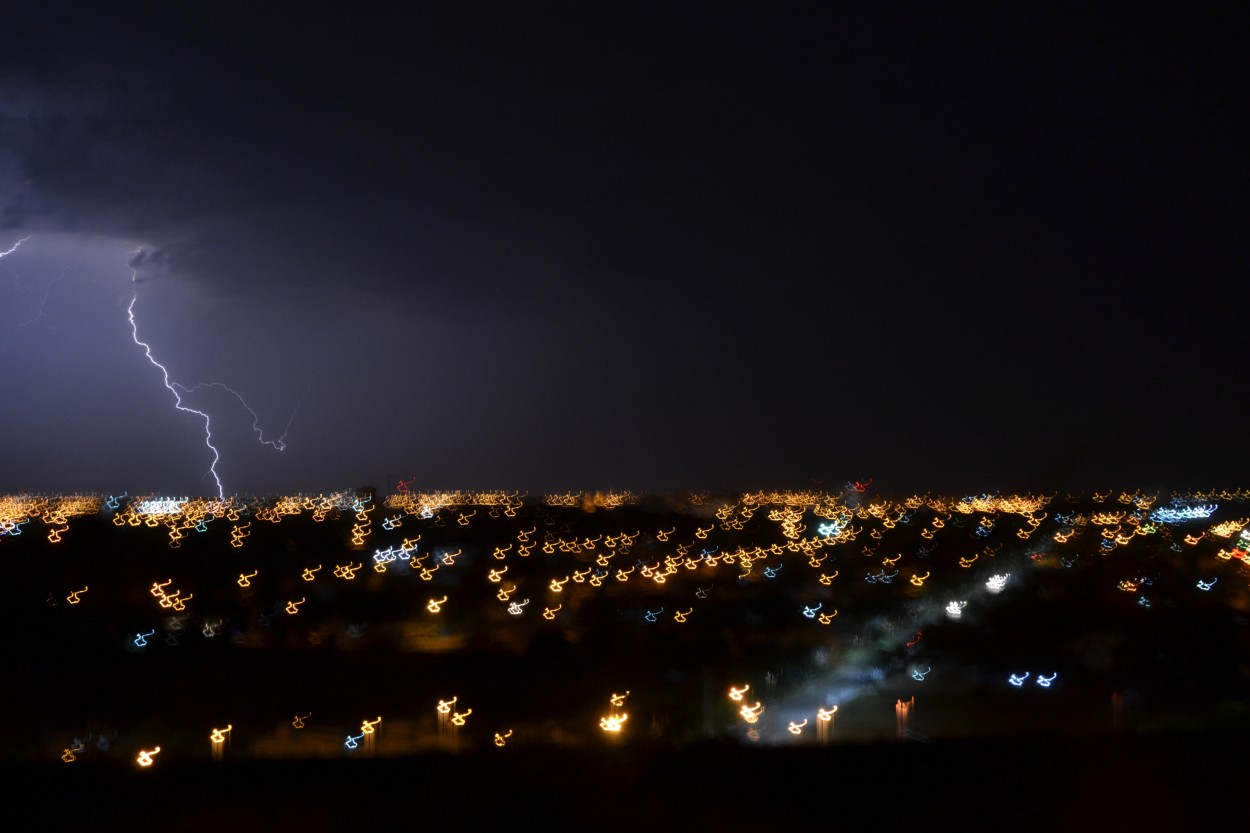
x=145, y=756
x=736, y=693
x=218, y=739
x=612, y=723
x=435, y=605
x=751, y=714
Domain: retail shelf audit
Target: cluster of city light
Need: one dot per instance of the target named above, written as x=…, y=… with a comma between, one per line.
x=1180, y=513
x=681, y=562
x=788, y=510
x=16, y=511
x=614, y=720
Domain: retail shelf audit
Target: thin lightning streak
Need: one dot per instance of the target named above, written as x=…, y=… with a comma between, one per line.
x=13, y=248
x=43, y=304
x=208, y=428
x=298, y=404
x=278, y=444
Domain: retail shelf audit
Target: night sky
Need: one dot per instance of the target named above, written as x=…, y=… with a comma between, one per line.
x=586, y=245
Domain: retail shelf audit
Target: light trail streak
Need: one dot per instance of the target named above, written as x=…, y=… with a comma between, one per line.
x=43, y=302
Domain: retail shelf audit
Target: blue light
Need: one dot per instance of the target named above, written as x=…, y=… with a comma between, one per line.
x=830, y=529
x=1180, y=513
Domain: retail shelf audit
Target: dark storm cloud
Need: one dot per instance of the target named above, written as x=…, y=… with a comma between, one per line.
x=633, y=147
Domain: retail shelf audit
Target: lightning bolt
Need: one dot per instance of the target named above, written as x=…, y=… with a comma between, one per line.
x=178, y=390
x=173, y=388
x=13, y=248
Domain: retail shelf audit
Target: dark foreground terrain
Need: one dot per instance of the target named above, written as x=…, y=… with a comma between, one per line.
x=1133, y=782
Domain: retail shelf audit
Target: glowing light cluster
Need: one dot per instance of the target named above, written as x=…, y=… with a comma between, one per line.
x=160, y=507
x=677, y=564
x=1181, y=513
